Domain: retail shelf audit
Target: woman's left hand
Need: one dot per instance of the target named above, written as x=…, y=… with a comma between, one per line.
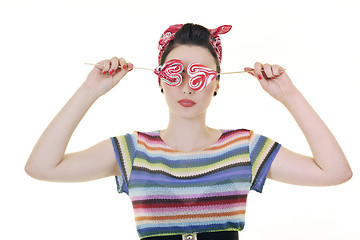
x=274, y=80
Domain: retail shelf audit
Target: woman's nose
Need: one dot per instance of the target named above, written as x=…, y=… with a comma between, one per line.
x=185, y=84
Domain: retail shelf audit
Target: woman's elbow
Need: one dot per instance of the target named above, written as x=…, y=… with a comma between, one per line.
x=31, y=171
x=346, y=173
x=341, y=177
x=36, y=172
x=347, y=176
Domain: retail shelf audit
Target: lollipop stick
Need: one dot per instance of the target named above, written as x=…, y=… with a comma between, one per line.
x=144, y=68
x=245, y=71
x=120, y=67
x=233, y=72
x=148, y=69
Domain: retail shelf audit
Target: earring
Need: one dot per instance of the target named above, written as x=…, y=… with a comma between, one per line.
x=162, y=90
x=215, y=93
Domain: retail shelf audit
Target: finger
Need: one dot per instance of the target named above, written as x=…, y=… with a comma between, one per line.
x=258, y=70
x=121, y=71
x=130, y=66
x=106, y=66
x=249, y=70
x=123, y=64
x=100, y=65
x=275, y=69
x=268, y=71
x=114, y=64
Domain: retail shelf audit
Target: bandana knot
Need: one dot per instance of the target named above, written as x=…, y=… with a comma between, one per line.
x=214, y=39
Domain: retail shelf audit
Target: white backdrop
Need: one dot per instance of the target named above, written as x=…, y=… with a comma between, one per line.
x=44, y=45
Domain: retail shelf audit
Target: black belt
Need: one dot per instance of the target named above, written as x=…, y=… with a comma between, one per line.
x=224, y=235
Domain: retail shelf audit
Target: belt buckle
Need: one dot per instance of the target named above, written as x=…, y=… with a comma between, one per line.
x=189, y=236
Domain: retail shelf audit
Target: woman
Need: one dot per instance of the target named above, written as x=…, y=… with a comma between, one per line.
x=189, y=181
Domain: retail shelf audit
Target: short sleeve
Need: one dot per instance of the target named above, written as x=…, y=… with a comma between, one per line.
x=263, y=151
x=125, y=149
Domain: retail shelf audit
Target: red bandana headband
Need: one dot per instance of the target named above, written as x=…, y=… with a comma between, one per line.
x=215, y=41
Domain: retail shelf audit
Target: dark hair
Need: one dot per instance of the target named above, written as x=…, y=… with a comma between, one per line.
x=191, y=34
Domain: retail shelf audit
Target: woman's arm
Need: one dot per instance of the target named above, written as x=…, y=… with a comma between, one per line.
x=328, y=166
x=48, y=160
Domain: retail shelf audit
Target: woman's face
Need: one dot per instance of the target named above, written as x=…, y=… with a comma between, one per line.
x=183, y=100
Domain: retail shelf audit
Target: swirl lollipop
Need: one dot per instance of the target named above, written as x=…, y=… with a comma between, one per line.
x=200, y=76
x=170, y=72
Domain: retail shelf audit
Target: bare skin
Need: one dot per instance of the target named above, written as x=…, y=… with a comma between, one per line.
x=48, y=160
x=187, y=129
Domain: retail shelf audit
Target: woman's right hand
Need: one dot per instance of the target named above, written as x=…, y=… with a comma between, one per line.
x=106, y=75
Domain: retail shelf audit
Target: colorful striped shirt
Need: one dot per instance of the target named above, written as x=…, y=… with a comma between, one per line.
x=174, y=192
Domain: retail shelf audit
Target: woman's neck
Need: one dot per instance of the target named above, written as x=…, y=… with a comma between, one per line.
x=189, y=135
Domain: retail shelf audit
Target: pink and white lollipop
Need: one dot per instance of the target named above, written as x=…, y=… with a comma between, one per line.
x=170, y=72
x=200, y=76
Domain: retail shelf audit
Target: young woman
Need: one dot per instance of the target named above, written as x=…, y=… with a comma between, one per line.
x=189, y=181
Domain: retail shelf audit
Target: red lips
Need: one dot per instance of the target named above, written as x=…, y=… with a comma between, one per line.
x=186, y=103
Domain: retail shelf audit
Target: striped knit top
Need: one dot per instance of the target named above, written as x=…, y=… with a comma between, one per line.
x=174, y=192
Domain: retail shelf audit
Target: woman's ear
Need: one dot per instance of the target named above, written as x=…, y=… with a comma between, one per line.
x=217, y=85
x=216, y=88
x=160, y=86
